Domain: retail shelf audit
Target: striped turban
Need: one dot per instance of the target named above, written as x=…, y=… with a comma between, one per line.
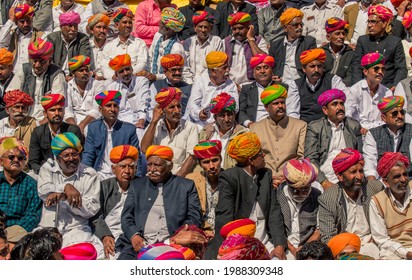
x=200, y=16
x=330, y=95
x=244, y=227
x=119, y=153
x=120, y=13
x=262, y=58
x=389, y=160
x=216, y=59
x=22, y=11
x=244, y=146
x=222, y=101
x=52, y=99
x=273, y=92
x=65, y=141
x=95, y=19
x=14, y=97
x=355, y=257
x=239, y=18
x=300, y=173
x=159, y=251
x=79, y=251
x=335, y=23
x=187, y=253
x=172, y=60
x=120, y=61
x=384, y=13
x=78, y=61
x=290, y=14
x=239, y=247
x=347, y=158
x=40, y=49
x=207, y=149
x=163, y=152
x=371, y=59
x=386, y=104
x=108, y=95
x=198, y=249
x=311, y=55
x=173, y=19
x=10, y=142
x=340, y=241
x=167, y=95
x=407, y=19
x=69, y=18
x=6, y=57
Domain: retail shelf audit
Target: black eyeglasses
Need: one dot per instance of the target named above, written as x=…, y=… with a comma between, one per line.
x=12, y=157
x=394, y=114
x=377, y=69
x=373, y=22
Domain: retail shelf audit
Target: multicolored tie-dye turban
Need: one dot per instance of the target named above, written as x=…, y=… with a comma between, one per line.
x=347, y=158
x=311, y=55
x=239, y=247
x=69, y=18
x=300, y=173
x=119, y=153
x=167, y=95
x=200, y=16
x=198, y=249
x=207, y=149
x=335, y=23
x=108, y=95
x=40, y=49
x=239, y=18
x=386, y=104
x=159, y=251
x=120, y=13
x=188, y=253
x=64, y=141
x=388, y=160
x=355, y=257
x=262, y=58
x=163, y=152
x=340, y=241
x=245, y=227
x=172, y=60
x=330, y=95
x=289, y=14
x=80, y=251
x=244, y=146
x=22, y=11
x=371, y=59
x=14, y=97
x=95, y=19
x=216, y=59
x=273, y=92
x=173, y=19
x=407, y=19
x=78, y=61
x=6, y=57
x=120, y=61
x=51, y=100
x=222, y=101
x=10, y=142
x=384, y=13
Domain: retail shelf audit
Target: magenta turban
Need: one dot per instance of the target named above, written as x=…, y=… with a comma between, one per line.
x=331, y=95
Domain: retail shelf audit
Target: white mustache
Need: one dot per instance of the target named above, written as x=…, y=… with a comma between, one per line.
x=153, y=173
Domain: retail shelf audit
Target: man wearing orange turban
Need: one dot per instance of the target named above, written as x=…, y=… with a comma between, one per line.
x=344, y=243
x=98, y=25
x=6, y=75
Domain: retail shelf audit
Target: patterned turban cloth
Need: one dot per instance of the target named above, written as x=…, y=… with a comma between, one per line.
x=340, y=241
x=244, y=146
x=64, y=141
x=330, y=95
x=371, y=59
x=163, y=152
x=407, y=19
x=386, y=104
x=78, y=61
x=262, y=58
x=69, y=18
x=384, y=13
x=187, y=253
x=108, y=95
x=355, y=257
x=345, y=159
x=239, y=18
x=120, y=13
x=244, y=227
x=273, y=92
x=388, y=160
x=167, y=95
x=198, y=249
x=289, y=14
x=172, y=60
x=334, y=24
x=173, y=19
x=95, y=19
x=200, y=16
x=14, y=97
x=239, y=247
x=300, y=173
x=6, y=57
x=10, y=142
x=216, y=59
x=159, y=251
x=51, y=100
x=80, y=251
x=22, y=11
x=40, y=49
x=207, y=149
x=119, y=153
x=120, y=61
x=311, y=55
x=222, y=101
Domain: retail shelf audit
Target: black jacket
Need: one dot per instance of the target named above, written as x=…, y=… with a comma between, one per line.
x=344, y=67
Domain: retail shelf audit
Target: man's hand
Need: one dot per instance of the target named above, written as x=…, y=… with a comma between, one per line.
x=363, y=131
x=250, y=35
x=402, y=8
x=393, y=88
x=277, y=180
x=276, y=79
x=203, y=115
x=108, y=243
x=54, y=198
x=157, y=113
x=409, y=256
x=73, y=196
x=151, y=77
x=279, y=252
x=140, y=123
x=68, y=78
x=82, y=126
x=137, y=242
x=352, y=46
x=326, y=184
x=186, y=237
x=11, y=15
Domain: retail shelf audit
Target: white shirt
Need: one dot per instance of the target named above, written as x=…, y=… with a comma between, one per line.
x=361, y=24
x=407, y=44
x=105, y=168
x=224, y=139
x=290, y=73
x=294, y=235
x=155, y=229
x=57, y=11
x=98, y=57
x=113, y=217
x=261, y=112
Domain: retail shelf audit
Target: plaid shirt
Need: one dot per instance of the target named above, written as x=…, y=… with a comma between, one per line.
x=20, y=201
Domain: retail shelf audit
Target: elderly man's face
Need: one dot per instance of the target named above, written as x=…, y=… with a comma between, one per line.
x=25, y=25
x=125, y=74
x=124, y=170
x=69, y=31
x=40, y=65
x=225, y=120
x=158, y=169
x=173, y=111
x=394, y=118
x=110, y=111
x=352, y=178
x=219, y=74
x=69, y=161
x=397, y=180
x=375, y=25
x=82, y=74
x=55, y=114
x=263, y=74
x=295, y=28
x=5, y=72
x=99, y=31
x=211, y=166
x=174, y=74
x=13, y=161
x=203, y=30
x=167, y=32
x=313, y=70
x=125, y=26
x=337, y=37
x=17, y=112
x=375, y=74
x=276, y=109
x=335, y=110
x=299, y=195
x=239, y=32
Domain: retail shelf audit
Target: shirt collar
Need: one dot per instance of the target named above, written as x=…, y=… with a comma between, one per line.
x=340, y=125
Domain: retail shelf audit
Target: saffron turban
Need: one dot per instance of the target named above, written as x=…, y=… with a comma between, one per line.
x=95, y=19
x=69, y=18
x=311, y=55
x=289, y=14
x=173, y=19
x=239, y=247
x=167, y=95
x=386, y=104
x=120, y=61
x=330, y=95
x=407, y=19
x=244, y=227
x=198, y=249
x=63, y=141
x=244, y=146
x=120, y=13
x=216, y=59
x=14, y=97
x=384, y=13
x=273, y=92
x=187, y=253
x=78, y=61
x=163, y=152
x=340, y=241
x=159, y=251
x=388, y=160
x=334, y=24
x=371, y=59
x=239, y=18
x=80, y=251
x=355, y=257
x=262, y=58
x=396, y=3
x=22, y=11
x=119, y=153
x=6, y=57
x=172, y=60
x=108, y=95
x=222, y=101
x=10, y=142
x=52, y=99
x=200, y=16
x=300, y=173
x=347, y=158
x=207, y=149
x=40, y=49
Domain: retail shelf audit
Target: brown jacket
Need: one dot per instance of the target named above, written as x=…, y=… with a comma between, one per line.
x=25, y=129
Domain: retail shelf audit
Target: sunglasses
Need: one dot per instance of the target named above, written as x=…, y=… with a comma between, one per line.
x=12, y=157
x=394, y=114
x=377, y=69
